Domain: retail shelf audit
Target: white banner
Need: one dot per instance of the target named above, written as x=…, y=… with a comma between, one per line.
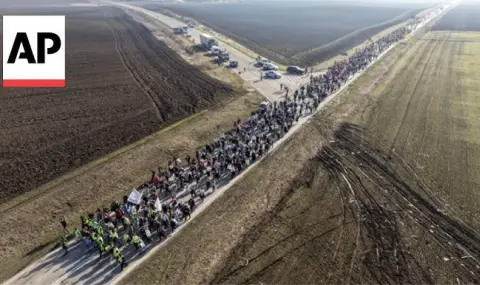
x=158, y=205
x=135, y=197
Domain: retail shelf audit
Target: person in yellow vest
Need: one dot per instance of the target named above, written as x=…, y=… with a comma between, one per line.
x=126, y=222
x=114, y=236
x=119, y=257
x=109, y=248
x=137, y=242
x=77, y=233
x=101, y=247
x=125, y=239
x=115, y=252
x=100, y=230
x=94, y=237
x=99, y=239
x=121, y=261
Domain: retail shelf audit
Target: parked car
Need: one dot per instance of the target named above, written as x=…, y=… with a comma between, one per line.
x=215, y=50
x=270, y=66
x=233, y=63
x=295, y=70
x=262, y=61
x=272, y=74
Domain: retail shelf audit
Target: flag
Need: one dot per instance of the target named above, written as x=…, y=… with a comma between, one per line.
x=158, y=205
x=135, y=197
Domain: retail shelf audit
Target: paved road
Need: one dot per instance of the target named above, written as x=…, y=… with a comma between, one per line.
x=267, y=87
x=80, y=268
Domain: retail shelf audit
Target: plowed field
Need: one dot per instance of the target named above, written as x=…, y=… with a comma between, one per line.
x=122, y=84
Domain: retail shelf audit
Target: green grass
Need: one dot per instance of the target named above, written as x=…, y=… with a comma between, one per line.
x=468, y=65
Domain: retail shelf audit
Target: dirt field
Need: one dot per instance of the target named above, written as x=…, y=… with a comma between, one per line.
x=299, y=33
x=122, y=85
x=378, y=189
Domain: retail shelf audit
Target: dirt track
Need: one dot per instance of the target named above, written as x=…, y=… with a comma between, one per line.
x=122, y=84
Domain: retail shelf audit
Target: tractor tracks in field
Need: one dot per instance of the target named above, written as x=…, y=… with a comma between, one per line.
x=389, y=198
x=131, y=70
x=416, y=86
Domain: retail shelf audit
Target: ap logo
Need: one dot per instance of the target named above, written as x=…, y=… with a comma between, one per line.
x=33, y=51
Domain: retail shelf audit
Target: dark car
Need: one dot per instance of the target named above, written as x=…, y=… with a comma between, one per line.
x=295, y=70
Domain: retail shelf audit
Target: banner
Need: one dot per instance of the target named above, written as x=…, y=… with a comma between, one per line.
x=158, y=205
x=135, y=197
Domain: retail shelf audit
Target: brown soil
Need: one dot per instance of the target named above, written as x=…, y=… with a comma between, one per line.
x=122, y=84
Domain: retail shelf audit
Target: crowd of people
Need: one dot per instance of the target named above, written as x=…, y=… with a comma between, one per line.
x=167, y=200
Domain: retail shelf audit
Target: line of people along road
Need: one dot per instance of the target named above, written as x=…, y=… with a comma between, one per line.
x=157, y=208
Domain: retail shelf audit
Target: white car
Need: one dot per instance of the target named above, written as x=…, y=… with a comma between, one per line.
x=263, y=106
x=270, y=66
x=262, y=61
x=272, y=74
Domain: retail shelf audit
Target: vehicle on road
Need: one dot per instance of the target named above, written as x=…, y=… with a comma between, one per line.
x=261, y=61
x=269, y=66
x=180, y=30
x=214, y=50
x=272, y=74
x=295, y=70
x=224, y=56
x=208, y=41
x=221, y=56
x=233, y=64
